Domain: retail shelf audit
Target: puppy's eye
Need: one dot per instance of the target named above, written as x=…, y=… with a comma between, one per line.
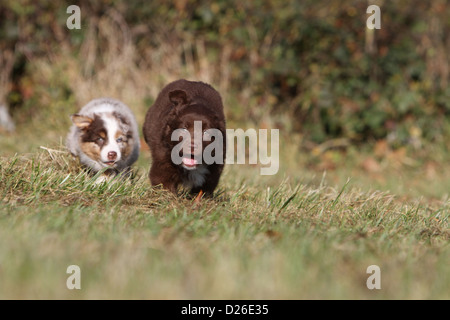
x=99, y=140
x=119, y=140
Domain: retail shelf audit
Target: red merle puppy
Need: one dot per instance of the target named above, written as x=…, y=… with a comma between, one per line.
x=185, y=130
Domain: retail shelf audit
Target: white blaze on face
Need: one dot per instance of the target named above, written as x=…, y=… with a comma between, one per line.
x=112, y=129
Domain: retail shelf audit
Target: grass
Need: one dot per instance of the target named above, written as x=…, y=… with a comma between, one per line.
x=259, y=238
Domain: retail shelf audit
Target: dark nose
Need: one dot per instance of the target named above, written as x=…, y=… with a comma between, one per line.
x=112, y=155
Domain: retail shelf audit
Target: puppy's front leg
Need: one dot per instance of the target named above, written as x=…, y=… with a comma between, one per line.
x=166, y=175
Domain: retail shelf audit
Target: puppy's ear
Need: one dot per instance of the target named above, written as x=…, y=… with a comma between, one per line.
x=80, y=121
x=178, y=97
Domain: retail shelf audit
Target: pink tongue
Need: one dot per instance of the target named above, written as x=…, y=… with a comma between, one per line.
x=189, y=162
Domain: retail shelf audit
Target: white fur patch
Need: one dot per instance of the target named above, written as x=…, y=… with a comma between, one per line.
x=111, y=127
x=196, y=177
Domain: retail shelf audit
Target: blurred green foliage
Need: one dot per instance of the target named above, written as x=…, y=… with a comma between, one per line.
x=314, y=62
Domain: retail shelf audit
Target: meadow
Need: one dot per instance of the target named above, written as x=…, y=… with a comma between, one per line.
x=295, y=235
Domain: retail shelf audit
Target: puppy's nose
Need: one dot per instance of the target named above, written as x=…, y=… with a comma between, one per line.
x=112, y=156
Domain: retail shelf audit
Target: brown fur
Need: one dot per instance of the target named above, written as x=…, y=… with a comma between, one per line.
x=178, y=105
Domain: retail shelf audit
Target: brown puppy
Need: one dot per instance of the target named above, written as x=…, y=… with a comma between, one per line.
x=185, y=130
